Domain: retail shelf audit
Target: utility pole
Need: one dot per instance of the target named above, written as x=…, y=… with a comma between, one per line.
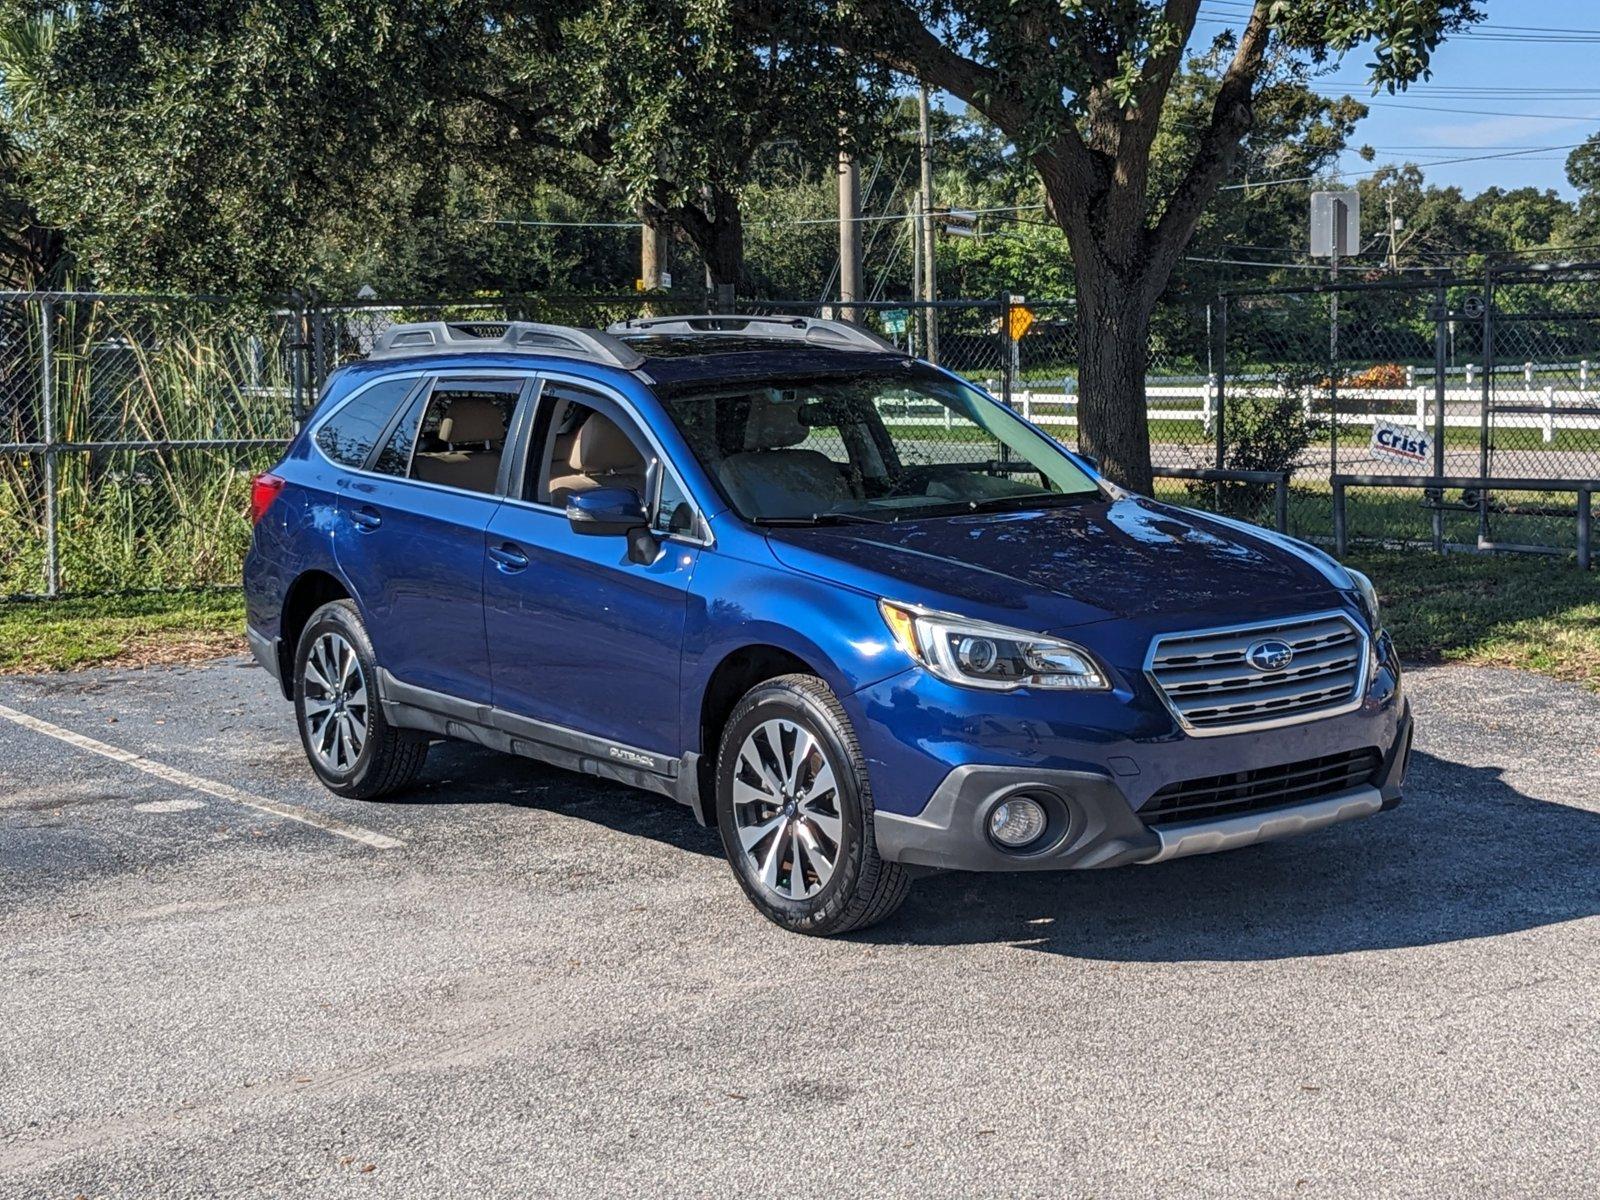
x=1394, y=234
x=651, y=247
x=929, y=289
x=849, y=236
x=917, y=330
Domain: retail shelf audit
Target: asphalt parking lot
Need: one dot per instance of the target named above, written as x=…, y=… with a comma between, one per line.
x=220, y=980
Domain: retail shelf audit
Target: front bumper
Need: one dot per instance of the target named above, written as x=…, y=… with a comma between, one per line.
x=1092, y=824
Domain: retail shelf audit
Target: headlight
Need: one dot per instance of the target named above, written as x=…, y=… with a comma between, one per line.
x=1369, y=595
x=976, y=654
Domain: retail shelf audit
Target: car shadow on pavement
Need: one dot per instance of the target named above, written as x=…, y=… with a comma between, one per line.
x=1465, y=856
x=459, y=773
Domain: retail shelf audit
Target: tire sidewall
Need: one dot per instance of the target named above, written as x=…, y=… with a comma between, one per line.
x=778, y=700
x=340, y=617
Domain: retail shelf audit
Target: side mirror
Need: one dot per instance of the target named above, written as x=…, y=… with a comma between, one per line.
x=606, y=512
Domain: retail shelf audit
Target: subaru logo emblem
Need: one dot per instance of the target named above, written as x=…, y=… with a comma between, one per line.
x=1269, y=654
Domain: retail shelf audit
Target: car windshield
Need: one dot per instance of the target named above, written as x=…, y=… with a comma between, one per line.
x=881, y=446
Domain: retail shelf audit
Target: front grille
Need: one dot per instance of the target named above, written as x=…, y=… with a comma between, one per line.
x=1218, y=796
x=1211, y=687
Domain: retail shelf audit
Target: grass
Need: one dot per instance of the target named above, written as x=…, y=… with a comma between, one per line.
x=139, y=629
x=1536, y=614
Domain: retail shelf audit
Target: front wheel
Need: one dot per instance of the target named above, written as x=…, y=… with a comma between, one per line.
x=353, y=750
x=795, y=812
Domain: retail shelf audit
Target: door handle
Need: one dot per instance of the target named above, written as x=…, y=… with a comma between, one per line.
x=508, y=558
x=366, y=518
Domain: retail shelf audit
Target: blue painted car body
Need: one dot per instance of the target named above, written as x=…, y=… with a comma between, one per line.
x=624, y=655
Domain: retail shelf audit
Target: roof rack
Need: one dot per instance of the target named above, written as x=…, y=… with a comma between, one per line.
x=526, y=337
x=838, y=334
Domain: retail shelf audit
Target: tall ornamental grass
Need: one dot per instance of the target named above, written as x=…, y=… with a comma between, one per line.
x=131, y=377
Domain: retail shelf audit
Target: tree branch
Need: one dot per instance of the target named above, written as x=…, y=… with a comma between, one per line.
x=1232, y=114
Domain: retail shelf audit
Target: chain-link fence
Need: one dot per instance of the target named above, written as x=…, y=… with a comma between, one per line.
x=1451, y=413
x=129, y=429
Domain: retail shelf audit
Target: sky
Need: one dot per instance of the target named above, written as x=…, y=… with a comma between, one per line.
x=1532, y=57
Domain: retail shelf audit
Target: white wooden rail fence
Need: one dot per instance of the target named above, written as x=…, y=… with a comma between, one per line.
x=1196, y=402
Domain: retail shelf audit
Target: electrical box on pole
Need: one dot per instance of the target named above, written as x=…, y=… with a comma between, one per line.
x=1335, y=224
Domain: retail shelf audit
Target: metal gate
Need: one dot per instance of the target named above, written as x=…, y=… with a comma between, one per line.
x=1454, y=412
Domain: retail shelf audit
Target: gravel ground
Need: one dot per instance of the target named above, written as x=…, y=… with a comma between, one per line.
x=554, y=987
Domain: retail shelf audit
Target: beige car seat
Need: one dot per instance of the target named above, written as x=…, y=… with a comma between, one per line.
x=473, y=432
x=601, y=455
x=769, y=478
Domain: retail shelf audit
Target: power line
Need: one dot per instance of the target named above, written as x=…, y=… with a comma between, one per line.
x=1484, y=33
x=1234, y=187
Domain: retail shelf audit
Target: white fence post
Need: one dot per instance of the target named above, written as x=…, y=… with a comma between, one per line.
x=1208, y=402
x=1583, y=374
x=1027, y=406
x=1411, y=377
x=1550, y=414
x=1422, y=408
x=1469, y=374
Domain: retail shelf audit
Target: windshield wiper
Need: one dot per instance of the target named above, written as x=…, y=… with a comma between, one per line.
x=1036, y=500
x=825, y=518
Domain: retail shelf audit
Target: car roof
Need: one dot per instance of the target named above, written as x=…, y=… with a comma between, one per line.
x=671, y=352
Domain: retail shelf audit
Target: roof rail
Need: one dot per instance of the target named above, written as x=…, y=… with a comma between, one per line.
x=526, y=337
x=838, y=334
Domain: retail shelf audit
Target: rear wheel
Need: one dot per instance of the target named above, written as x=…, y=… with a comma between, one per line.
x=350, y=746
x=795, y=811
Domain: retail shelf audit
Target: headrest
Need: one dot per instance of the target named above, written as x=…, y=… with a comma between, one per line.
x=774, y=425
x=600, y=447
x=471, y=420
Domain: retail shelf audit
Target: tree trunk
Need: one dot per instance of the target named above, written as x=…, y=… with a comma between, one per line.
x=724, y=254
x=716, y=227
x=1113, y=351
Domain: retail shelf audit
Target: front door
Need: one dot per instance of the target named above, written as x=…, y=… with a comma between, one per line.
x=580, y=636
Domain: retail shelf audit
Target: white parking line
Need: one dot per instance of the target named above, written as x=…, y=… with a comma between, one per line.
x=289, y=812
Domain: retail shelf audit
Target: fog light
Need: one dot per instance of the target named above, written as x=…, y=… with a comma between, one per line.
x=1017, y=822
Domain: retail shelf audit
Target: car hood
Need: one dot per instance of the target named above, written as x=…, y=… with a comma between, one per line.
x=1059, y=567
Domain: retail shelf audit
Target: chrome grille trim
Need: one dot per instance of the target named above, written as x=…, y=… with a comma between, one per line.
x=1206, y=684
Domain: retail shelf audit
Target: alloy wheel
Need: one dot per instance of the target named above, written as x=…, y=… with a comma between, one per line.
x=786, y=809
x=335, y=704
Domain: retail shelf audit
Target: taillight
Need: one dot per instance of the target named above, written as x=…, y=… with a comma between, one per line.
x=264, y=489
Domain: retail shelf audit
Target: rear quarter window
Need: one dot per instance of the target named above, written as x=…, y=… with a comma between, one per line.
x=349, y=435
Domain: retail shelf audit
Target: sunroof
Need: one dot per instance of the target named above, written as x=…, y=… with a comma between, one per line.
x=688, y=345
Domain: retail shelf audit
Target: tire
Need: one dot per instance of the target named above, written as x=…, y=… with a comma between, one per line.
x=352, y=749
x=783, y=740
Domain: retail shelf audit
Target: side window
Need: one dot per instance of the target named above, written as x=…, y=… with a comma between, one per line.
x=584, y=449
x=674, y=514
x=348, y=436
x=462, y=435
x=395, y=457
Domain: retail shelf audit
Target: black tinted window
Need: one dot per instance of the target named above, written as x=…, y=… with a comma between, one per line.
x=351, y=433
x=395, y=457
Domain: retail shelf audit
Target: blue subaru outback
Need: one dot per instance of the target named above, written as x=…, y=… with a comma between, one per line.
x=842, y=604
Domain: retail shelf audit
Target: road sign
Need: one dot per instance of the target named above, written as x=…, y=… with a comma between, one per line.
x=894, y=321
x=1335, y=224
x=1021, y=321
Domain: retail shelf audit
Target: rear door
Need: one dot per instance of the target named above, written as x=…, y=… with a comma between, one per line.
x=411, y=542
x=580, y=636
